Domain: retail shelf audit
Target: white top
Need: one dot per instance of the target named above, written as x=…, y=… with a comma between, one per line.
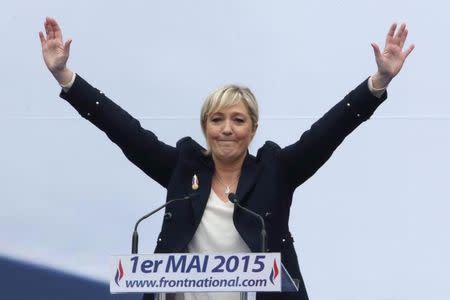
x=216, y=233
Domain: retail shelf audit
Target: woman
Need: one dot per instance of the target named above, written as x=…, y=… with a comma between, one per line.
x=229, y=120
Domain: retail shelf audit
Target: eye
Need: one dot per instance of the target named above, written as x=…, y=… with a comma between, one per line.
x=239, y=119
x=215, y=119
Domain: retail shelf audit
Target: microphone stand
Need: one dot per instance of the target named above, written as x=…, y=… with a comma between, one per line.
x=232, y=197
x=135, y=238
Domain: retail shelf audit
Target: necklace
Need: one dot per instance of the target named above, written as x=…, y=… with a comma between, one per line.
x=227, y=187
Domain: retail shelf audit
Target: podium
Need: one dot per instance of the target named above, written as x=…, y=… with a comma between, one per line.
x=199, y=272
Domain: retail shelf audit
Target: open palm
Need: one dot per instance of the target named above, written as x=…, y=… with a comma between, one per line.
x=54, y=51
x=391, y=60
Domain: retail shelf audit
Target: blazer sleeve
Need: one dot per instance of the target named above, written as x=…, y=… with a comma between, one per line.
x=139, y=145
x=303, y=158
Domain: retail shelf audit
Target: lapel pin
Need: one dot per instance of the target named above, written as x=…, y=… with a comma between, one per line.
x=194, y=182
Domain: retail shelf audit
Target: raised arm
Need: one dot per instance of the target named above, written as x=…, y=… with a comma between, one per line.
x=303, y=158
x=139, y=145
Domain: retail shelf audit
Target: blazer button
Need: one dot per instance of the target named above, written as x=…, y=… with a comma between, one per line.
x=168, y=216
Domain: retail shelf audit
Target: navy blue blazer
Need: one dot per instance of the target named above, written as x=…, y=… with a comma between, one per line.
x=266, y=184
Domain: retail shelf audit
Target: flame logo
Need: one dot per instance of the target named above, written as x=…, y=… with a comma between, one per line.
x=274, y=273
x=119, y=273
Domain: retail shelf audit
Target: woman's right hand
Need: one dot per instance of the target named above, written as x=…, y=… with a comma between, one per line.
x=55, y=52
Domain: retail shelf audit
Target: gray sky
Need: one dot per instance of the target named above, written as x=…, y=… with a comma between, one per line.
x=371, y=224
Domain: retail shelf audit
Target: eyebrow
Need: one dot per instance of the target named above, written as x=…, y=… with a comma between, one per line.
x=232, y=114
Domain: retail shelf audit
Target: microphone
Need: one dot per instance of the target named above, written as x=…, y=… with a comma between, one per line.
x=233, y=198
x=135, y=238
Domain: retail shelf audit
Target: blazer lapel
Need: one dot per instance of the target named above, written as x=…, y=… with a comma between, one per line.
x=204, y=176
x=249, y=175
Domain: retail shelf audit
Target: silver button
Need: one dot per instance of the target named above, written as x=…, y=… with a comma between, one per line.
x=283, y=240
x=97, y=103
x=168, y=216
x=348, y=104
x=160, y=240
x=358, y=115
x=88, y=114
x=101, y=92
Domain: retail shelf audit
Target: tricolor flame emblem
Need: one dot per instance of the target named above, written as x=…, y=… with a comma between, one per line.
x=119, y=273
x=274, y=273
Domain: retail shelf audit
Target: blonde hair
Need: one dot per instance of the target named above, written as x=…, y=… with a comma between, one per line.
x=227, y=96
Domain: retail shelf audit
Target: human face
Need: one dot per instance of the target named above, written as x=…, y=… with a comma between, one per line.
x=229, y=132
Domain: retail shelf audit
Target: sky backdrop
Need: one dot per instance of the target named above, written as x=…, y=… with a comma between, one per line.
x=373, y=223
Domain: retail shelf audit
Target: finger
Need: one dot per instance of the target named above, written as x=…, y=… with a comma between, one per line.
x=57, y=30
x=49, y=31
x=376, y=51
x=391, y=32
x=42, y=38
x=47, y=28
x=67, y=46
x=392, y=29
x=51, y=27
x=403, y=38
x=400, y=31
x=409, y=50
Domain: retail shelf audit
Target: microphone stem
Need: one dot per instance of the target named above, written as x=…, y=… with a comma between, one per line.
x=263, y=226
x=134, y=243
x=135, y=238
x=263, y=240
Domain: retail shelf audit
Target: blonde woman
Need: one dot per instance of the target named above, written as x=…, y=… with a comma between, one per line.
x=264, y=183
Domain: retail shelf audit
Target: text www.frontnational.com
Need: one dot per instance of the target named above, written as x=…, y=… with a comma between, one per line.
x=195, y=283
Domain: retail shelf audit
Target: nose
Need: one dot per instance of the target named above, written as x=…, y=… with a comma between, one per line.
x=227, y=130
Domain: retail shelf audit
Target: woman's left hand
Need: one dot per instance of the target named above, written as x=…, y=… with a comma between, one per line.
x=391, y=60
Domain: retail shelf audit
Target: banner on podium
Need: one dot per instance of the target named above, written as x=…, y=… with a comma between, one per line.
x=190, y=272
